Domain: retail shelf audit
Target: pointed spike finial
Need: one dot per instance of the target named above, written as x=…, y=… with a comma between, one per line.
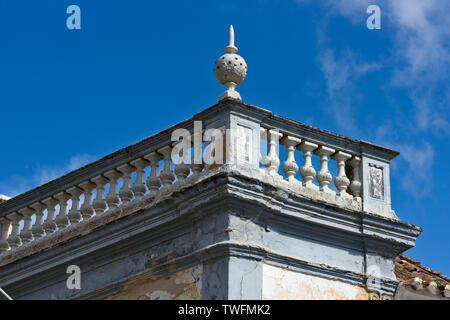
x=231, y=48
x=231, y=36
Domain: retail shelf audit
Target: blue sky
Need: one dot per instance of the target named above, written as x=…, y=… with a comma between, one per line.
x=68, y=97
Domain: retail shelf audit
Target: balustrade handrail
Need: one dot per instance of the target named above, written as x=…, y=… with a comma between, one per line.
x=149, y=152
x=270, y=120
x=102, y=165
x=265, y=117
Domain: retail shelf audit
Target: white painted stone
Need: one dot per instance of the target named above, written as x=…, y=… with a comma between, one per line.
x=307, y=171
x=290, y=167
x=230, y=69
x=324, y=176
x=153, y=181
x=341, y=181
x=126, y=194
x=271, y=161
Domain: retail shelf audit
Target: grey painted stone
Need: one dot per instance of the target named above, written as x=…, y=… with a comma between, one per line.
x=231, y=225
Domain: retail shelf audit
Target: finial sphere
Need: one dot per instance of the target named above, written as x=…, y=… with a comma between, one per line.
x=230, y=69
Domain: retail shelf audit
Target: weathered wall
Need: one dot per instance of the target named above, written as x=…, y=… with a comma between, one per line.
x=279, y=283
x=182, y=285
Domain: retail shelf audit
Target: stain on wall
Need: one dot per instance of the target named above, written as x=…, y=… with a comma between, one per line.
x=279, y=283
x=182, y=285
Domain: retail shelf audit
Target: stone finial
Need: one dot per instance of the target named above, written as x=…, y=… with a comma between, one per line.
x=230, y=69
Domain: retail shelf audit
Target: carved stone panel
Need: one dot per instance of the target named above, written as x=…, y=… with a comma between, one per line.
x=376, y=183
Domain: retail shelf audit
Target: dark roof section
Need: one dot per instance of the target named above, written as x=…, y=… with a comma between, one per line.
x=406, y=269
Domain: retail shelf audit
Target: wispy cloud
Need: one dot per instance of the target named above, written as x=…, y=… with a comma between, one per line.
x=416, y=160
x=340, y=74
x=420, y=65
x=420, y=54
x=417, y=178
x=17, y=184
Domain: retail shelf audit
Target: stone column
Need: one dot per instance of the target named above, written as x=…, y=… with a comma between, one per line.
x=99, y=204
x=37, y=230
x=290, y=167
x=14, y=239
x=307, y=171
x=166, y=175
x=6, y=230
x=26, y=234
x=49, y=224
x=355, y=184
x=153, y=181
x=341, y=181
x=139, y=188
x=126, y=194
x=86, y=209
x=324, y=176
x=74, y=212
x=271, y=161
x=62, y=221
x=113, y=199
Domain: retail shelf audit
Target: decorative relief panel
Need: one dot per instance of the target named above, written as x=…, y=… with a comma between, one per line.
x=376, y=183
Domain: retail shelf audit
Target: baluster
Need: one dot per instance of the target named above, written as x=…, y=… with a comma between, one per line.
x=197, y=168
x=113, y=199
x=324, y=176
x=355, y=184
x=139, y=188
x=290, y=167
x=153, y=181
x=263, y=136
x=26, y=234
x=49, y=224
x=14, y=239
x=37, y=230
x=166, y=175
x=126, y=194
x=271, y=161
x=61, y=220
x=99, y=203
x=182, y=170
x=6, y=231
x=74, y=212
x=197, y=160
x=86, y=209
x=341, y=181
x=307, y=171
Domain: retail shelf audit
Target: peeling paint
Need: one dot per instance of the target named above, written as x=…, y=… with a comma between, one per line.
x=182, y=285
x=283, y=284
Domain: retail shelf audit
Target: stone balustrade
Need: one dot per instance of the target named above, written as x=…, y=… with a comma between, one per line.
x=146, y=170
x=59, y=215
x=318, y=179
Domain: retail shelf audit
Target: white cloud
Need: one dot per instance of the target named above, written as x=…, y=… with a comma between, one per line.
x=415, y=161
x=420, y=64
x=421, y=52
x=417, y=177
x=340, y=74
x=17, y=184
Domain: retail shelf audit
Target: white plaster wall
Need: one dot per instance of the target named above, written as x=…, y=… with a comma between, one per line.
x=281, y=284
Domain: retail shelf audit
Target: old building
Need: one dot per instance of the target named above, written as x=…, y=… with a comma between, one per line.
x=204, y=210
